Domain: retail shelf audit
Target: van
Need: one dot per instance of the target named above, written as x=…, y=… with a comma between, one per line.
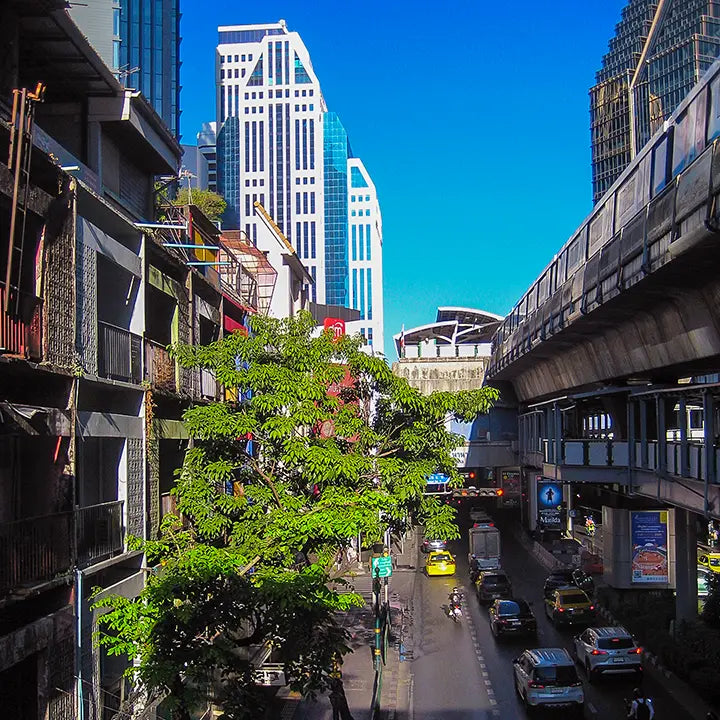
x=546, y=677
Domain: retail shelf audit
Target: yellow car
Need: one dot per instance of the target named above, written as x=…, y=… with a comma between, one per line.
x=440, y=563
x=711, y=561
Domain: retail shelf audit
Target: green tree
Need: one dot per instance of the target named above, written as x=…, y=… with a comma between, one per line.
x=210, y=203
x=323, y=443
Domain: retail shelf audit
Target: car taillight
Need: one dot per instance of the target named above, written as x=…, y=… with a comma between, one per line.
x=635, y=651
x=598, y=652
x=536, y=685
x=561, y=609
x=592, y=607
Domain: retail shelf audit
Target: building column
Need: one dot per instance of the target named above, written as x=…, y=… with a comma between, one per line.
x=643, y=434
x=557, y=435
x=661, y=434
x=686, y=603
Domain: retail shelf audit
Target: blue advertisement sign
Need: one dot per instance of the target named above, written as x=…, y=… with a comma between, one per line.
x=649, y=538
x=550, y=505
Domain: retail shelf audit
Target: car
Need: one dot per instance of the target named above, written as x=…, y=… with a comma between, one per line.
x=433, y=544
x=492, y=585
x=569, y=606
x=710, y=560
x=546, y=677
x=607, y=650
x=512, y=617
x=440, y=563
x=704, y=577
x=564, y=577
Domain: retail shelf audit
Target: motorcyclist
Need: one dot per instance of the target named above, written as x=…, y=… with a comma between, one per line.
x=455, y=598
x=474, y=568
x=641, y=708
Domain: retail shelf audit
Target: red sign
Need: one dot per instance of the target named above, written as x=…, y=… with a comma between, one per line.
x=336, y=325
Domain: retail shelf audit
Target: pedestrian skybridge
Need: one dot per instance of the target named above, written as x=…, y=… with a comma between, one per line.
x=634, y=294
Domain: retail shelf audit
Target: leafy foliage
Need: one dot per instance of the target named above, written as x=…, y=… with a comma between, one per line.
x=324, y=444
x=210, y=203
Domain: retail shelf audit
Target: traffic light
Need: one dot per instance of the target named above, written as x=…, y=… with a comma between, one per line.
x=499, y=492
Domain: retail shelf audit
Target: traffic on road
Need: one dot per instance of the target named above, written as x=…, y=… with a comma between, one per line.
x=527, y=640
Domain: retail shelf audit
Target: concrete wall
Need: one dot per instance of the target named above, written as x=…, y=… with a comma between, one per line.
x=445, y=374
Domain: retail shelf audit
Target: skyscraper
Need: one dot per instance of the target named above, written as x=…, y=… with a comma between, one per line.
x=278, y=144
x=660, y=50
x=139, y=40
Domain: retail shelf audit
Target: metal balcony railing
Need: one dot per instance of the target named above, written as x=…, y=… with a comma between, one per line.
x=21, y=334
x=36, y=550
x=99, y=532
x=119, y=353
x=208, y=384
x=160, y=370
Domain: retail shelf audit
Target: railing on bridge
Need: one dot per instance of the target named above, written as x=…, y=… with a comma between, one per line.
x=616, y=454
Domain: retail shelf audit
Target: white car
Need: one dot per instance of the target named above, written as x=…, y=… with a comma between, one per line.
x=547, y=677
x=608, y=650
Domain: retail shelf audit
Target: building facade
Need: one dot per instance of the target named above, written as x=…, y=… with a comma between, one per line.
x=139, y=40
x=277, y=144
x=660, y=50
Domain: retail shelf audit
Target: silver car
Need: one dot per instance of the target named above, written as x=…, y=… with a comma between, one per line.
x=547, y=677
x=608, y=650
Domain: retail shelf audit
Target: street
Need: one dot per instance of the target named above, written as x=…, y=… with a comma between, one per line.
x=460, y=672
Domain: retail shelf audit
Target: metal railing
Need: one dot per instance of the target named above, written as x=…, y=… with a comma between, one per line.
x=99, y=532
x=22, y=334
x=119, y=353
x=208, y=384
x=160, y=369
x=36, y=550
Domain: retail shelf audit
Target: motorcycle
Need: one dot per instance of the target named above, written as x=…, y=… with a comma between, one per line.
x=455, y=611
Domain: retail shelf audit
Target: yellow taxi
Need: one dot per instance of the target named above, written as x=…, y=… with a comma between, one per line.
x=710, y=561
x=569, y=606
x=440, y=563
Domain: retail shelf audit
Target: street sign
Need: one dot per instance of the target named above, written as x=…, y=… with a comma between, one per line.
x=381, y=566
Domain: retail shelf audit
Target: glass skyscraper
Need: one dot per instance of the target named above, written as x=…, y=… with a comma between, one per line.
x=278, y=144
x=660, y=50
x=139, y=40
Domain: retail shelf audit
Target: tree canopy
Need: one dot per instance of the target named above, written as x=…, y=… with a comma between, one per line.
x=210, y=203
x=320, y=443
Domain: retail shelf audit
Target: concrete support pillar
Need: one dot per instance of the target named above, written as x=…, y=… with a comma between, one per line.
x=661, y=434
x=709, y=437
x=682, y=425
x=686, y=603
x=643, y=434
x=557, y=434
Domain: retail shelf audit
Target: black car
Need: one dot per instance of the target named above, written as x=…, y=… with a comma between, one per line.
x=563, y=577
x=512, y=617
x=492, y=585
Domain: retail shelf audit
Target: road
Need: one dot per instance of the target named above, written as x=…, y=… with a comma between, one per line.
x=460, y=672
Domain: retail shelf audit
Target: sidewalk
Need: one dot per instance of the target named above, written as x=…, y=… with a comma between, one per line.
x=357, y=669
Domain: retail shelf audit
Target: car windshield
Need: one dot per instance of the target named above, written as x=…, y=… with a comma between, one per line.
x=441, y=558
x=495, y=579
x=508, y=607
x=573, y=598
x=714, y=562
x=616, y=643
x=556, y=675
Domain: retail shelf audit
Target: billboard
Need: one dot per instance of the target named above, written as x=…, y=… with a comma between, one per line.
x=550, y=505
x=649, y=542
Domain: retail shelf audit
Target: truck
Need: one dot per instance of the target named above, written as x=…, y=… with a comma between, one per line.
x=484, y=544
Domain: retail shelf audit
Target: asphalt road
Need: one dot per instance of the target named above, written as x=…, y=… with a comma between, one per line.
x=460, y=672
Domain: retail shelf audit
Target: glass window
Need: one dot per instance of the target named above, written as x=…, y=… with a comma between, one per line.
x=367, y=240
x=354, y=241
x=361, y=238
x=243, y=58
x=659, y=166
x=236, y=58
x=116, y=22
x=685, y=143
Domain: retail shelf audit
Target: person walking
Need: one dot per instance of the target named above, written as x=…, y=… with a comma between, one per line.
x=338, y=701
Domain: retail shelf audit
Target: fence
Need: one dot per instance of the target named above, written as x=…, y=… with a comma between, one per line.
x=119, y=353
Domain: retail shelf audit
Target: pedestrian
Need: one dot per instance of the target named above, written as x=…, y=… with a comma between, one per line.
x=338, y=701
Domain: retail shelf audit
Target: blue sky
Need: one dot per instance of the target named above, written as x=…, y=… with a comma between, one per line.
x=472, y=118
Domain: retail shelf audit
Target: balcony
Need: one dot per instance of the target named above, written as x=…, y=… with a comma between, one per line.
x=21, y=334
x=119, y=354
x=160, y=369
x=37, y=550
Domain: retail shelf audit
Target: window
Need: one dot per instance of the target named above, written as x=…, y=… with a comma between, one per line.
x=312, y=240
x=353, y=213
x=236, y=58
x=354, y=241
x=361, y=240
x=242, y=57
x=367, y=240
x=688, y=135
x=312, y=107
x=367, y=197
x=659, y=165
x=222, y=74
x=369, y=294
x=312, y=202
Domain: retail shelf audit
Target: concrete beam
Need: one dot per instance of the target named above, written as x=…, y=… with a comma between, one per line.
x=97, y=424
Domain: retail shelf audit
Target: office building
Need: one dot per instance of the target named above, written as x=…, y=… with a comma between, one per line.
x=659, y=51
x=139, y=40
x=278, y=144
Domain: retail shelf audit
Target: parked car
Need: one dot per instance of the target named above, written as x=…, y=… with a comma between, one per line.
x=433, y=545
x=563, y=577
x=512, y=617
x=546, y=677
x=492, y=585
x=569, y=606
x=608, y=650
x=440, y=563
x=704, y=577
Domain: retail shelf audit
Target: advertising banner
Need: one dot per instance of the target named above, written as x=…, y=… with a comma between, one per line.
x=550, y=505
x=649, y=539
x=510, y=483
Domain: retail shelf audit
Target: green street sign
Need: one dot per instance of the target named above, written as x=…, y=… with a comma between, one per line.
x=381, y=566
